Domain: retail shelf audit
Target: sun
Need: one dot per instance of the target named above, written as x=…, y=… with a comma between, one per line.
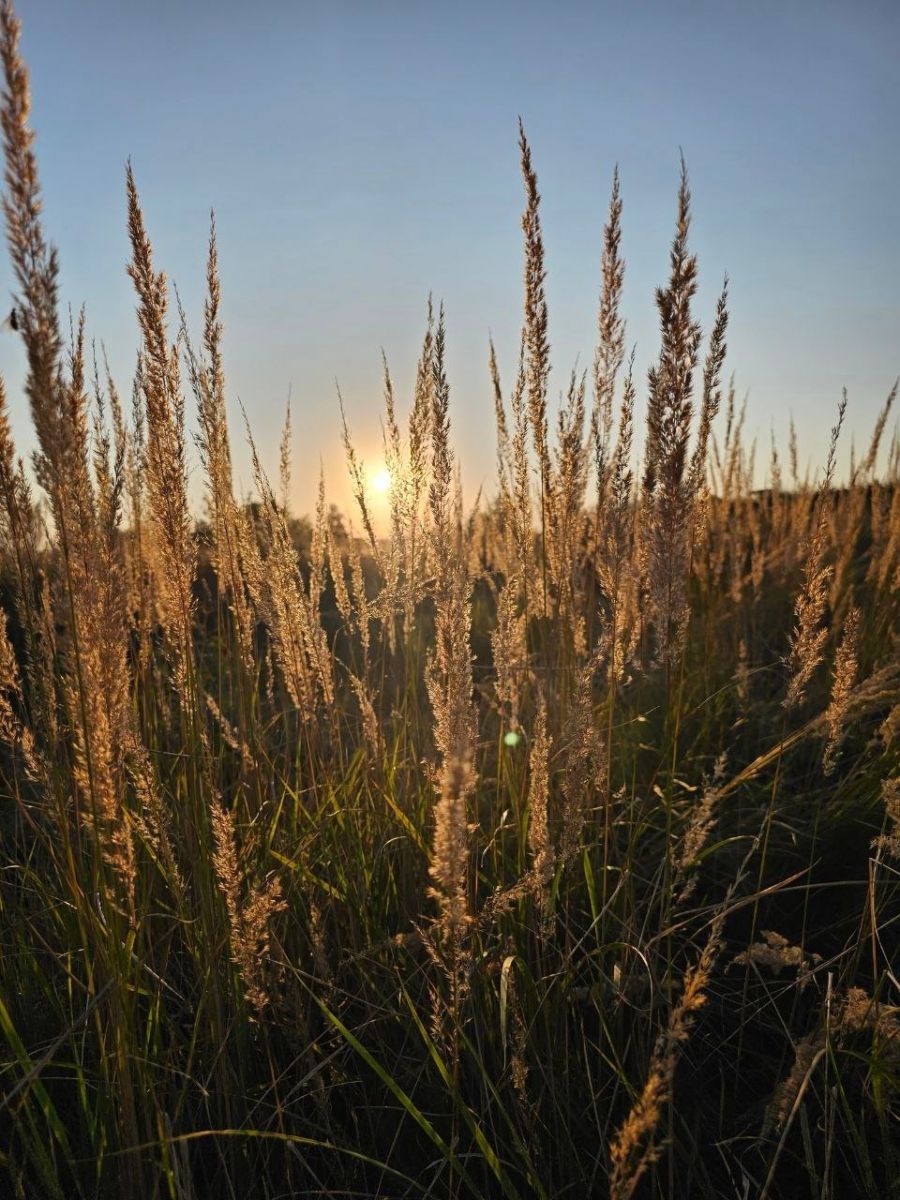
x=381, y=481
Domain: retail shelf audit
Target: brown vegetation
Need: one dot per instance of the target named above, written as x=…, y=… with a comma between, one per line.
x=391, y=866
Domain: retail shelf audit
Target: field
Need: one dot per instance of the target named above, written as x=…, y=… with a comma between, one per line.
x=545, y=846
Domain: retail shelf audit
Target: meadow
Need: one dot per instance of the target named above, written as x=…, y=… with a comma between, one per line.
x=545, y=846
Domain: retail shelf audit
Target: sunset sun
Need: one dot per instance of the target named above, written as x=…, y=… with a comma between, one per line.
x=381, y=481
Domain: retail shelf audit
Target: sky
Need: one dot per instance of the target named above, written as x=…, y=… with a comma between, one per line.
x=361, y=155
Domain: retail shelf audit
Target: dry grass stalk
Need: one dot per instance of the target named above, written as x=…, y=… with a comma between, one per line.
x=208, y=382
x=230, y=736
x=137, y=581
x=421, y=411
x=889, y=842
x=250, y=915
x=535, y=340
x=36, y=269
x=504, y=465
x=878, y=692
x=668, y=487
x=508, y=643
x=742, y=673
x=887, y=564
x=100, y=686
x=336, y=571
x=543, y=858
x=709, y=409
x=358, y=482
x=89, y=600
x=889, y=731
x=404, y=584
x=610, y=351
x=618, y=578
x=151, y=818
x=441, y=481
x=856, y=1014
x=390, y=600
x=371, y=729
x=794, y=456
x=415, y=482
x=729, y=541
x=450, y=671
x=866, y=468
x=509, y=638
x=523, y=532
x=634, y=1147
x=846, y=669
x=12, y=729
x=518, y=1064
x=360, y=606
x=712, y=391
x=775, y=953
x=449, y=684
x=848, y=520
x=318, y=548
x=19, y=538
x=809, y=638
x=585, y=763
x=567, y=526
x=165, y=452
x=450, y=852
x=701, y=824
x=284, y=603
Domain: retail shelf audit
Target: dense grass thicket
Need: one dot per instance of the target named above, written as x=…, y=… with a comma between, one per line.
x=545, y=849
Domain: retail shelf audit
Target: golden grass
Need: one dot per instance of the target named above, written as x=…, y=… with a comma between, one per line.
x=404, y=865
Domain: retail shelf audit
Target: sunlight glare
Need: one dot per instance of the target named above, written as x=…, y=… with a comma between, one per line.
x=381, y=481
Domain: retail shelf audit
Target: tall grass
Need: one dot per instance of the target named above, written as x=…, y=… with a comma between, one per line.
x=548, y=848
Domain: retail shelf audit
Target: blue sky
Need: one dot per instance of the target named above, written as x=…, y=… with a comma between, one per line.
x=359, y=155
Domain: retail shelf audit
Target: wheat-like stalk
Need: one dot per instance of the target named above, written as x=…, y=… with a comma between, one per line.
x=809, y=637
x=165, y=460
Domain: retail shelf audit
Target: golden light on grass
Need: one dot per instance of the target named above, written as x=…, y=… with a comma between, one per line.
x=279, y=790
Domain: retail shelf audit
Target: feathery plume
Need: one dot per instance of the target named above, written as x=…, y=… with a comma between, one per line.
x=165, y=453
x=889, y=841
x=610, y=351
x=846, y=667
x=249, y=916
x=634, y=1147
x=809, y=638
x=543, y=858
x=535, y=341
x=668, y=487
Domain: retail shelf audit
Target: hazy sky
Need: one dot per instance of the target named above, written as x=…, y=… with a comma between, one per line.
x=359, y=155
